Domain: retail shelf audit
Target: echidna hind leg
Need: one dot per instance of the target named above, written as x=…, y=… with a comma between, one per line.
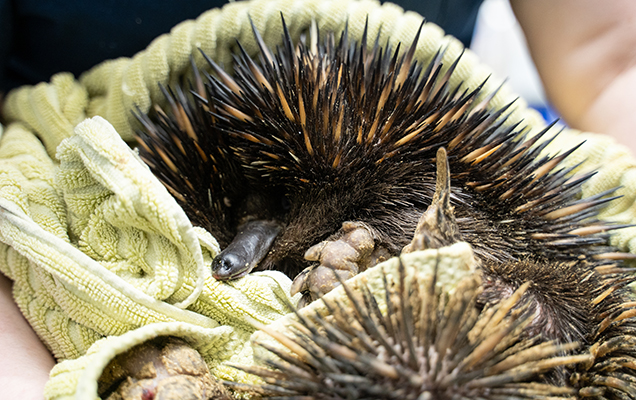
x=350, y=251
x=437, y=226
x=164, y=368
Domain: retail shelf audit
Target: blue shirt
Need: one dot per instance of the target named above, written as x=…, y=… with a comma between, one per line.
x=39, y=38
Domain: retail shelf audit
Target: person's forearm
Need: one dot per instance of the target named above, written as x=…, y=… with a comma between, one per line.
x=585, y=52
x=24, y=361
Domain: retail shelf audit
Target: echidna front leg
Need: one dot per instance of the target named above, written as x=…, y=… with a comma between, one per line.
x=437, y=226
x=352, y=250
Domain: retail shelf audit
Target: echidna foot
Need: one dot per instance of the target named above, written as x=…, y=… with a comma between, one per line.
x=165, y=368
x=437, y=226
x=351, y=251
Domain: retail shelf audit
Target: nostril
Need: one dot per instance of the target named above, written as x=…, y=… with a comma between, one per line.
x=247, y=249
x=225, y=265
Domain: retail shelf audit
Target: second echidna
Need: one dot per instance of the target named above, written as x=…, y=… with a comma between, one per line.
x=323, y=155
x=432, y=341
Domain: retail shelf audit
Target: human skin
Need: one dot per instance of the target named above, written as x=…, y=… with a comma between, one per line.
x=26, y=363
x=585, y=53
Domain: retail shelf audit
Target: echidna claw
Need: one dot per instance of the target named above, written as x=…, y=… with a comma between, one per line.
x=437, y=226
x=351, y=250
x=319, y=280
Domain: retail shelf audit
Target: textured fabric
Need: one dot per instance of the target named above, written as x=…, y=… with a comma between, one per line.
x=106, y=248
x=102, y=257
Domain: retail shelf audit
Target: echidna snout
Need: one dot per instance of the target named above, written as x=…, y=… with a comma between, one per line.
x=259, y=217
x=246, y=250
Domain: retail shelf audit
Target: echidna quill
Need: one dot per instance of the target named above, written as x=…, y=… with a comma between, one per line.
x=325, y=155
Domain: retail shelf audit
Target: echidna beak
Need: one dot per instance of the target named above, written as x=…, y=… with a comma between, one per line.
x=249, y=247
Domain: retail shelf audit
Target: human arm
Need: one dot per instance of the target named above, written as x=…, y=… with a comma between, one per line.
x=25, y=362
x=585, y=52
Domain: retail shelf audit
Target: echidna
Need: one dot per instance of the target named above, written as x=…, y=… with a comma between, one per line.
x=323, y=155
x=433, y=342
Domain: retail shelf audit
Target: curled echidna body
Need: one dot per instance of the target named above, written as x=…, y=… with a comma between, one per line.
x=431, y=341
x=323, y=156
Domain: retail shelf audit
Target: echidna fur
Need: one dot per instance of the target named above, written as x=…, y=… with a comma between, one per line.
x=319, y=133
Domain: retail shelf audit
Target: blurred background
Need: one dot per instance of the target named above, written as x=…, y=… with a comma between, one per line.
x=499, y=42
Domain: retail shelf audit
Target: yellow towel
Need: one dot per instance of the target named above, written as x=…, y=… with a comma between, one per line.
x=101, y=255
